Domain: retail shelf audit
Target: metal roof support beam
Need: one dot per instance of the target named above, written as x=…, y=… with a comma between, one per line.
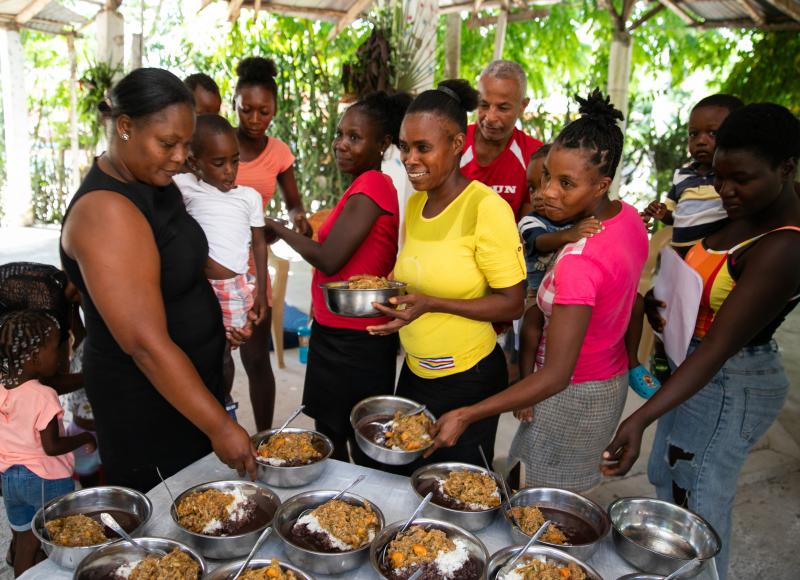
x=747, y=23
x=788, y=7
x=32, y=9
x=470, y=6
x=234, y=9
x=680, y=11
x=751, y=8
x=521, y=16
x=354, y=12
x=655, y=9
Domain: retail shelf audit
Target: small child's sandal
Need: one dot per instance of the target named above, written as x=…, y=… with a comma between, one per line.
x=643, y=382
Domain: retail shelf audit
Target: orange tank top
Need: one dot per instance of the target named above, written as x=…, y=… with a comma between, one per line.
x=718, y=282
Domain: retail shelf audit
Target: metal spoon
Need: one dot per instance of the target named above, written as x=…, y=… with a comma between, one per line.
x=416, y=574
x=690, y=565
x=289, y=420
x=513, y=562
x=171, y=497
x=385, y=425
x=357, y=480
x=259, y=542
x=503, y=490
x=408, y=522
x=109, y=521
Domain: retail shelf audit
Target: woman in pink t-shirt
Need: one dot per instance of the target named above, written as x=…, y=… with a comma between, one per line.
x=264, y=163
x=581, y=381
x=35, y=457
x=345, y=363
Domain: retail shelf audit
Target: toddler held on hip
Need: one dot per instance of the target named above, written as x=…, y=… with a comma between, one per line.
x=36, y=458
x=231, y=217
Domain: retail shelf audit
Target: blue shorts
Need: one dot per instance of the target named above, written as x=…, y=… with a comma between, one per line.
x=22, y=494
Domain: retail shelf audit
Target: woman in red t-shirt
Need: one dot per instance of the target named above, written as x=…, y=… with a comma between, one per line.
x=346, y=363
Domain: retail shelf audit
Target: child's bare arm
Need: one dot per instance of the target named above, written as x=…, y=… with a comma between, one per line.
x=585, y=228
x=54, y=444
x=260, y=256
x=64, y=383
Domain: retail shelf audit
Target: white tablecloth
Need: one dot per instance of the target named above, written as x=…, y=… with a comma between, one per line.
x=391, y=493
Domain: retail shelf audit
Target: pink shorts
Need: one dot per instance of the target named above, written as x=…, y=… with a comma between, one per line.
x=235, y=296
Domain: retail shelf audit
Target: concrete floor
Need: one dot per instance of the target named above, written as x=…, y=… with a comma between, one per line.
x=767, y=511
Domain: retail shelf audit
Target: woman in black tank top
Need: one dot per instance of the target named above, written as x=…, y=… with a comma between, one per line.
x=153, y=356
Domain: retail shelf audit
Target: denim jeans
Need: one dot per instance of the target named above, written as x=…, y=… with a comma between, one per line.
x=701, y=445
x=23, y=491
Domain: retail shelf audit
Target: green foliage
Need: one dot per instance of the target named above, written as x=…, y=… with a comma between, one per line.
x=95, y=84
x=768, y=72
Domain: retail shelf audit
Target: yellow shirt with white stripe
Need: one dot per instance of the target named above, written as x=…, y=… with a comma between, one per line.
x=471, y=247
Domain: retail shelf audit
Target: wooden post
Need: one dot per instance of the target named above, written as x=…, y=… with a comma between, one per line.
x=17, y=196
x=452, y=46
x=110, y=35
x=136, y=51
x=619, y=74
x=500, y=32
x=74, y=144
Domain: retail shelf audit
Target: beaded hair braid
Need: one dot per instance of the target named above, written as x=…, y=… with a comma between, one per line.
x=22, y=334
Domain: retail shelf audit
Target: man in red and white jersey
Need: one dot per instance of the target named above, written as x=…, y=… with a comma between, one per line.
x=496, y=153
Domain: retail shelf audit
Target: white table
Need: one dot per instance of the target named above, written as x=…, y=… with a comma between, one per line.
x=391, y=493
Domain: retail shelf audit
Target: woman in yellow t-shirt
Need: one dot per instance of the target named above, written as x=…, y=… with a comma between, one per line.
x=464, y=266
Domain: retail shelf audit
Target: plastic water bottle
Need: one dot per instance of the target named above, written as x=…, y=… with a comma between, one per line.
x=303, y=336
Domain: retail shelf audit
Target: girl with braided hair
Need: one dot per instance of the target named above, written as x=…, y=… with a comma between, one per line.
x=579, y=392
x=35, y=457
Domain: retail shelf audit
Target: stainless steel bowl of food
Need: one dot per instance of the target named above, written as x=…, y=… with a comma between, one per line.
x=469, y=556
x=658, y=537
x=250, y=508
x=343, y=300
x=226, y=571
x=119, y=559
x=130, y=508
x=287, y=472
x=472, y=513
x=381, y=409
x=583, y=523
x=560, y=560
x=303, y=549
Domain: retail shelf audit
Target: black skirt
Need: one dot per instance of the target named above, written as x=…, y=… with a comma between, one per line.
x=488, y=377
x=344, y=367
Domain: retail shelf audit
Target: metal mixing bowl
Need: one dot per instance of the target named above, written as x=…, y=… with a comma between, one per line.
x=236, y=545
x=642, y=576
x=89, y=500
x=474, y=545
x=319, y=562
x=103, y=562
x=659, y=537
x=503, y=555
x=469, y=520
x=357, y=302
x=384, y=405
x=292, y=476
x=227, y=571
x=573, y=504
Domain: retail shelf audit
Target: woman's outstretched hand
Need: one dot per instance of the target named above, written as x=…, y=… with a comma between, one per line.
x=234, y=448
x=447, y=430
x=623, y=451
x=407, y=308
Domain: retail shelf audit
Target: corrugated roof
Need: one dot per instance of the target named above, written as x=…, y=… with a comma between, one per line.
x=52, y=18
x=765, y=14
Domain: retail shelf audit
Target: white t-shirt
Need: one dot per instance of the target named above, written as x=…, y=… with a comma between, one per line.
x=226, y=218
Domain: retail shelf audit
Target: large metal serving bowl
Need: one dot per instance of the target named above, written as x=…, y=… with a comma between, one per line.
x=319, y=562
x=83, y=501
x=573, y=504
x=233, y=546
x=227, y=571
x=659, y=537
x=103, y=562
x=469, y=520
x=357, y=302
x=475, y=546
x=503, y=555
x=384, y=405
x=292, y=476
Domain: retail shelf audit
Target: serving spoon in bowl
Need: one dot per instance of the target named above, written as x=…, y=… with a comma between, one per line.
x=355, y=482
x=109, y=521
x=259, y=542
x=405, y=526
x=502, y=488
x=386, y=425
x=289, y=420
x=509, y=566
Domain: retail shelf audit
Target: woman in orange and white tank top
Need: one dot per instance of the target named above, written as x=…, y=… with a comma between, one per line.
x=732, y=385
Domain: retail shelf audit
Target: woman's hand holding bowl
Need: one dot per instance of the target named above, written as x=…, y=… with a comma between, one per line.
x=405, y=310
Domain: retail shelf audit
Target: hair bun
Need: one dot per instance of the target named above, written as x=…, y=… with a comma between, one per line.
x=467, y=96
x=598, y=106
x=256, y=68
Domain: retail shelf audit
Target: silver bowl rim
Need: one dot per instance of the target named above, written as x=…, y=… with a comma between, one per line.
x=98, y=553
x=235, y=563
x=348, y=495
x=337, y=285
x=398, y=452
x=604, y=513
x=259, y=438
x=548, y=551
x=690, y=513
x=263, y=487
x=469, y=467
x=88, y=491
x=473, y=538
